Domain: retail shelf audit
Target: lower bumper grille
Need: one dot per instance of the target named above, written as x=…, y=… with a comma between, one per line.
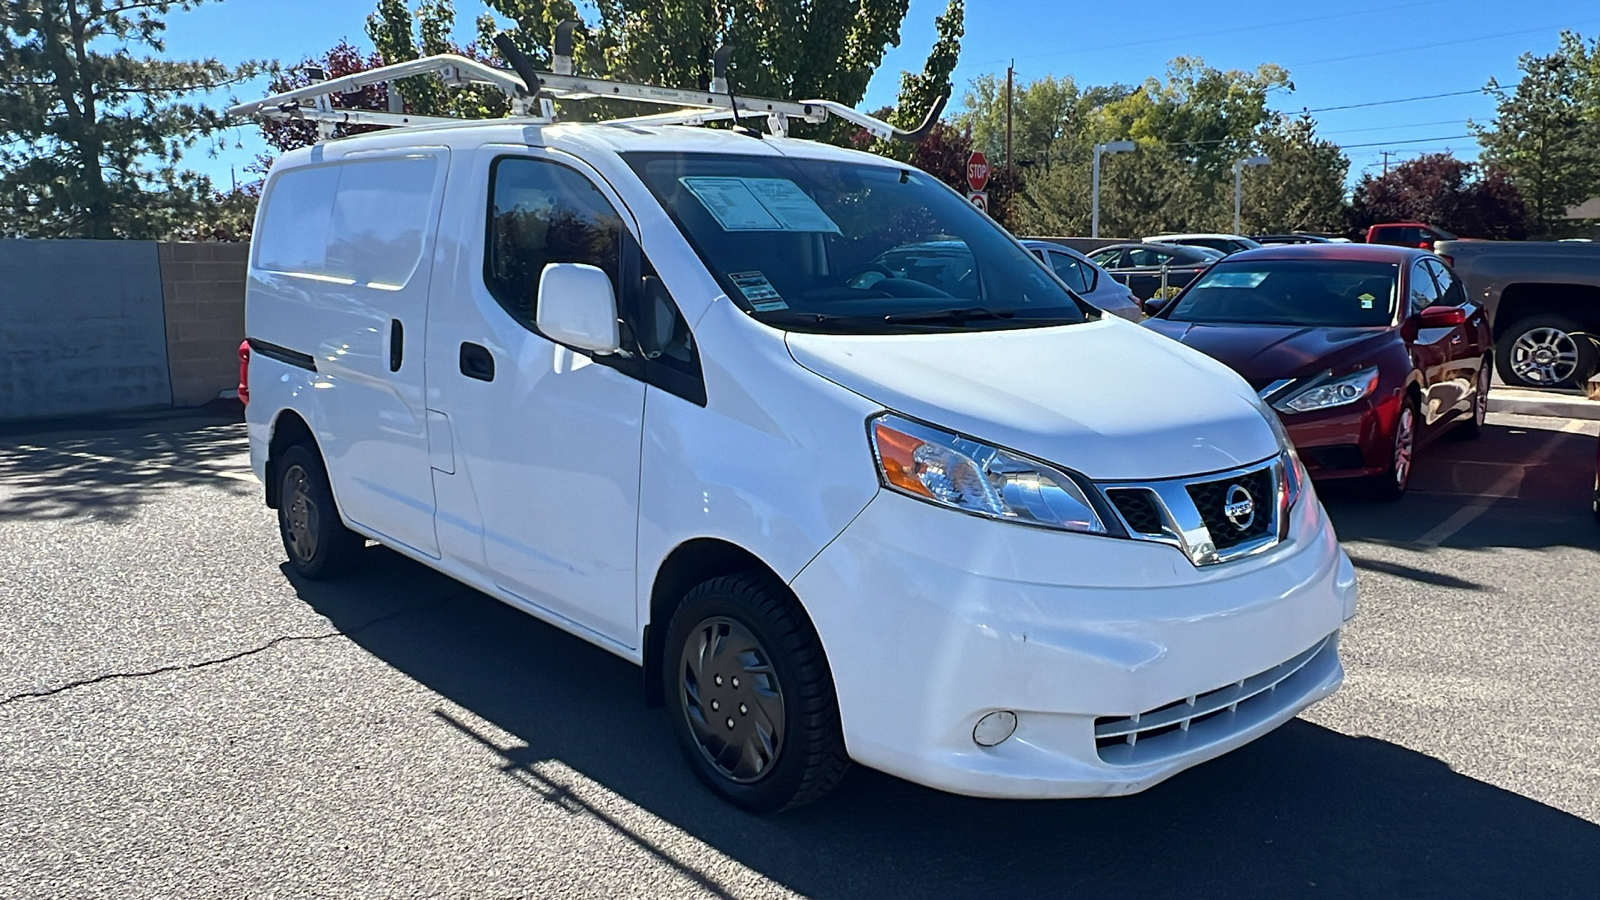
x=1171, y=729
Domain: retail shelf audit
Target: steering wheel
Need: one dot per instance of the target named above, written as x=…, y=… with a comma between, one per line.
x=863, y=279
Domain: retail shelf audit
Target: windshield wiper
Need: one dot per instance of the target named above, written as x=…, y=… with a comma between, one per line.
x=952, y=316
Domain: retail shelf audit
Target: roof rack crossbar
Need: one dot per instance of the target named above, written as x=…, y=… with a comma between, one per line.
x=529, y=90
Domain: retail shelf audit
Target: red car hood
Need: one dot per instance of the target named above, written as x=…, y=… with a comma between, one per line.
x=1265, y=353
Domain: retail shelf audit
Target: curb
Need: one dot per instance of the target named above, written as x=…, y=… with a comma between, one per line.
x=1532, y=403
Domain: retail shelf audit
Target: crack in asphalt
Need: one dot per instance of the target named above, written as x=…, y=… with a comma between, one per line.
x=221, y=660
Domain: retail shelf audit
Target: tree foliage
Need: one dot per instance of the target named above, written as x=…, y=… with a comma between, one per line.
x=1467, y=199
x=1546, y=132
x=92, y=135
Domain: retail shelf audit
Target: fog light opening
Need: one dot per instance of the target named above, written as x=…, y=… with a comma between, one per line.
x=994, y=728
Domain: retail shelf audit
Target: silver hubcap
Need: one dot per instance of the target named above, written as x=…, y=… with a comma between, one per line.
x=1404, y=438
x=732, y=699
x=1545, y=356
x=302, y=513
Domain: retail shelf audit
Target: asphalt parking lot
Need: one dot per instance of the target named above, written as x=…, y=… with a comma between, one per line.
x=179, y=718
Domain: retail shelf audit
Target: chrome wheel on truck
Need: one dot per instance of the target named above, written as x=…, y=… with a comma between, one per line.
x=1545, y=351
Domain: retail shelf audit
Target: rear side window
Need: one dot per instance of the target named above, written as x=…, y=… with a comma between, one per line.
x=541, y=213
x=1077, y=275
x=360, y=223
x=1140, y=256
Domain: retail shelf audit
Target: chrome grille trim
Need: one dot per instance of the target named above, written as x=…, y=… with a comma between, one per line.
x=1184, y=527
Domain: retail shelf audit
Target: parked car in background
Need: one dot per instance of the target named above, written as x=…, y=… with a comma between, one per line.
x=1088, y=280
x=1222, y=243
x=1543, y=302
x=1367, y=353
x=1408, y=234
x=1143, y=266
x=1297, y=237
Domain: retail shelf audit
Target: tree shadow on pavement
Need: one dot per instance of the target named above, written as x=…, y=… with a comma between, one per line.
x=108, y=475
x=1305, y=811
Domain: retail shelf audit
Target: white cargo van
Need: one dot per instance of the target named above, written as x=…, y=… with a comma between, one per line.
x=802, y=433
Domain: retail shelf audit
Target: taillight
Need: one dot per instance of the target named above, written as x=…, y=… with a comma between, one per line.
x=1448, y=260
x=244, y=373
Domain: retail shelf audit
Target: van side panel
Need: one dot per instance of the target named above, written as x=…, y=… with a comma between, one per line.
x=760, y=465
x=340, y=272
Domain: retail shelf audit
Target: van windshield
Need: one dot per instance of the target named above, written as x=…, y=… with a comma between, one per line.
x=828, y=246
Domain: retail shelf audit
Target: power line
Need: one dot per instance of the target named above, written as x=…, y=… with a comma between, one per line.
x=1436, y=44
x=1394, y=127
x=1448, y=137
x=1401, y=100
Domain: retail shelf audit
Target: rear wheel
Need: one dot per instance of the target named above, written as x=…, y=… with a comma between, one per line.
x=1545, y=351
x=314, y=537
x=1392, y=483
x=750, y=695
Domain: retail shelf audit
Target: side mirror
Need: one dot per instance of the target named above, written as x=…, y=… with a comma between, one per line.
x=576, y=306
x=1441, y=317
x=1155, y=305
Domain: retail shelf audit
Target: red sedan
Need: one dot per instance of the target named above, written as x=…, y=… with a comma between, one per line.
x=1366, y=351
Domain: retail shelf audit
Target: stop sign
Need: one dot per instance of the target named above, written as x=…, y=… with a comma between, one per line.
x=977, y=171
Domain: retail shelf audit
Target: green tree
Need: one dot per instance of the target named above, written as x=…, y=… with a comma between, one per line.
x=1302, y=189
x=92, y=135
x=1546, y=132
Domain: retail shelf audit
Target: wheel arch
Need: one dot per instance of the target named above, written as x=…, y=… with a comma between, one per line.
x=1522, y=300
x=288, y=429
x=690, y=563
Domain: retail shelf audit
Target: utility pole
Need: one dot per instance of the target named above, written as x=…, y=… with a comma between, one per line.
x=1009, y=70
x=1386, y=155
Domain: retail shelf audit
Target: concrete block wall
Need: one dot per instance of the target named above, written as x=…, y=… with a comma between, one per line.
x=203, y=285
x=81, y=328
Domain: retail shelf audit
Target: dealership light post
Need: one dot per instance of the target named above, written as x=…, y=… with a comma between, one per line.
x=1108, y=147
x=1238, y=194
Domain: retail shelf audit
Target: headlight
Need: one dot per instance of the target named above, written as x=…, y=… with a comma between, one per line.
x=953, y=471
x=1328, y=392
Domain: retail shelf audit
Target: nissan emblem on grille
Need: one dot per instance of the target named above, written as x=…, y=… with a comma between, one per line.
x=1240, y=507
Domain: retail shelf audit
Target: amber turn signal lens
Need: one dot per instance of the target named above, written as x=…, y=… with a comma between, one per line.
x=897, y=451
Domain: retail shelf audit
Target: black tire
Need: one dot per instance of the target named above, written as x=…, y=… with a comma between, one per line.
x=1472, y=426
x=1568, y=353
x=1395, y=480
x=765, y=639
x=314, y=536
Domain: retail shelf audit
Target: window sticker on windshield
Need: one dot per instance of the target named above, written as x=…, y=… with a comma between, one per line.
x=759, y=291
x=1235, y=279
x=790, y=205
x=758, y=204
x=1366, y=300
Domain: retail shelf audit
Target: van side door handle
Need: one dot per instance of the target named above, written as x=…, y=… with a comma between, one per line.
x=477, y=362
x=397, y=344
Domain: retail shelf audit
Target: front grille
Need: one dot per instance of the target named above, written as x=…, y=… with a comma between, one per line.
x=1138, y=507
x=1168, y=730
x=1212, y=498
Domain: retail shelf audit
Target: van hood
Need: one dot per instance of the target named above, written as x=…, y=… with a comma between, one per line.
x=1108, y=399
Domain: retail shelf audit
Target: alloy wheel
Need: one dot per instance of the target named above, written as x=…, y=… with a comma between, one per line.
x=732, y=699
x=1405, y=438
x=1480, y=403
x=1545, y=356
x=303, y=515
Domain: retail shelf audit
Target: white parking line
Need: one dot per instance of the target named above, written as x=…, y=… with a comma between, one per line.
x=1506, y=486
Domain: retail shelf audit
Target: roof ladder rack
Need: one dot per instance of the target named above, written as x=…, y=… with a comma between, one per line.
x=531, y=95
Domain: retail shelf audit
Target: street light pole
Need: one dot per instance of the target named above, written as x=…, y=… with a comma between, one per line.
x=1238, y=192
x=1094, y=178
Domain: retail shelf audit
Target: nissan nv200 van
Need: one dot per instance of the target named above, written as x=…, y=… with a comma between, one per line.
x=804, y=434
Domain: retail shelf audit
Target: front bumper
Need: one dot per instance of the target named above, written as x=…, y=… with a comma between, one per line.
x=1346, y=442
x=932, y=619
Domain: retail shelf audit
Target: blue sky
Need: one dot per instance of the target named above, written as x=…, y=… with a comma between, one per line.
x=1338, y=54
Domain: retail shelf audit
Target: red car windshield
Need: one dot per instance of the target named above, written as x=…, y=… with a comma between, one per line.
x=1307, y=292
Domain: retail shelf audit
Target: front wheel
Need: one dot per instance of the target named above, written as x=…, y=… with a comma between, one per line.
x=1545, y=351
x=1473, y=427
x=1396, y=479
x=750, y=695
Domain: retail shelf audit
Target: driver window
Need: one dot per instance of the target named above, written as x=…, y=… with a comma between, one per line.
x=1424, y=293
x=1140, y=256
x=541, y=213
